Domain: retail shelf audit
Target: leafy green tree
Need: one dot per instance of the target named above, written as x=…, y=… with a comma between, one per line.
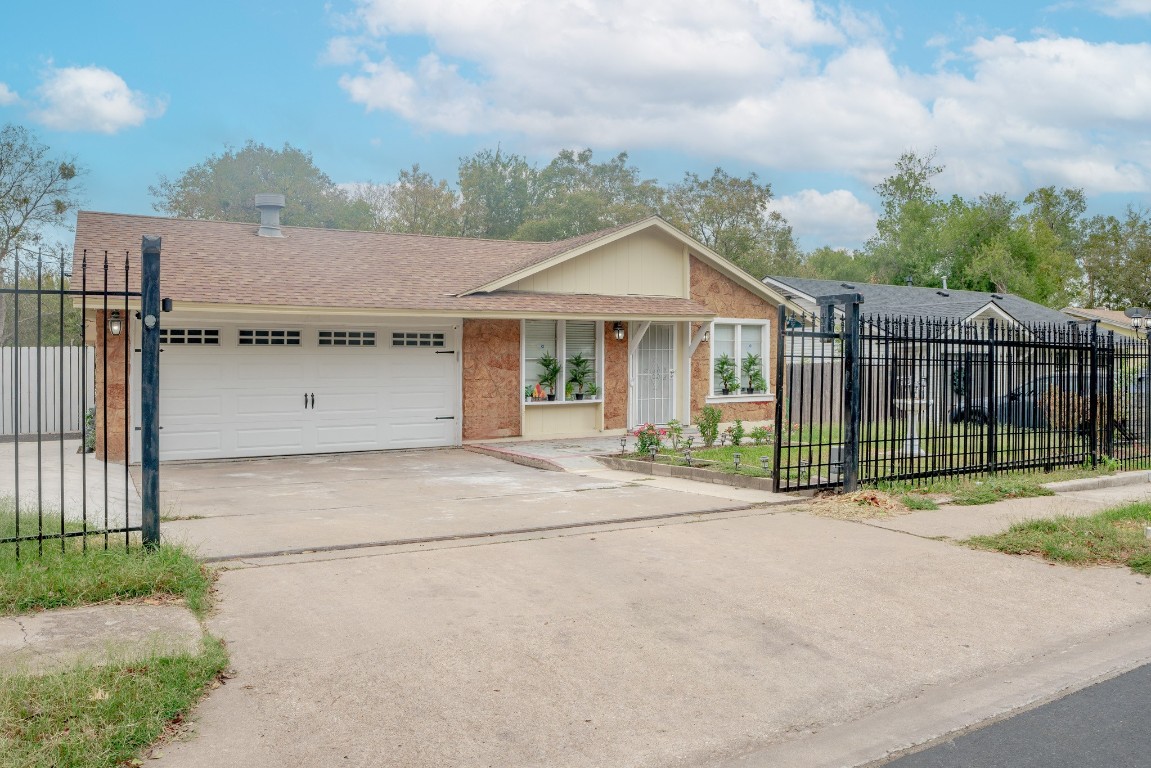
x=418, y=204
x=572, y=196
x=223, y=188
x=828, y=263
x=905, y=243
x=495, y=192
x=1117, y=260
x=729, y=215
x=37, y=191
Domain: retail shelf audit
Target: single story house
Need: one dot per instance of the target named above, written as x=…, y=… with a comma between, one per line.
x=919, y=368
x=293, y=340
x=920, y=302
x=1108, y=319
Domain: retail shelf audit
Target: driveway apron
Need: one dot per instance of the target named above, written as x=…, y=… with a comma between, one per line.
x=243, y=508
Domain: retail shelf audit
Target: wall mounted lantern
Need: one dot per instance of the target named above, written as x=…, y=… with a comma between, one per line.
x=115, y=323
x=617, y=328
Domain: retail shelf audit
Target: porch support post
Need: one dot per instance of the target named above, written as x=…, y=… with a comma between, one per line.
x=636, y=336
x=697, y=339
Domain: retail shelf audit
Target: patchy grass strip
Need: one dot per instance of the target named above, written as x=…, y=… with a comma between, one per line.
x=59, y=579
x=73, y=576
x=1112, y=537
x=101, y=716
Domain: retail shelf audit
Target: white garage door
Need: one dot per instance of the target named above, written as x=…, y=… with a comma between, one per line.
x=231, y=390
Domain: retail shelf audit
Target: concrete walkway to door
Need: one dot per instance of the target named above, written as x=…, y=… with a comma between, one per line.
x=266, y=506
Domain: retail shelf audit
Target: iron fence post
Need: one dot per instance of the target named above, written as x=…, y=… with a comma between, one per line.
x=992, y=399
x=851, y=365
x=1109, y=422
x=1093, y=397
x=780, y=357
x=150, y=391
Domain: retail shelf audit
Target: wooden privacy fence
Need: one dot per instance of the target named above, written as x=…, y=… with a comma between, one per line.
x=43, y=385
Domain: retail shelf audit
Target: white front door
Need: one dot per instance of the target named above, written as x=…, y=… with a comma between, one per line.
x=655, y=375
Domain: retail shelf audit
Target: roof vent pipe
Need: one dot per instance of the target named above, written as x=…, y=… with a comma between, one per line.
x=907, y=281
x=269, y=207
x=945, y=282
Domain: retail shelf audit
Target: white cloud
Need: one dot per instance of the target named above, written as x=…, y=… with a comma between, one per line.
x=785, y=84
x=841, y=219
x=7, y=95
x=1122, y=8
x=92, y=99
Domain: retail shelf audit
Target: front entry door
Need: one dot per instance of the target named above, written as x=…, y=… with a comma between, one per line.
x=655, y=375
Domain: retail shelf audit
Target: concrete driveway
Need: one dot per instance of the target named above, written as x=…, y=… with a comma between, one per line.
x=737, y=639
x=241, y=508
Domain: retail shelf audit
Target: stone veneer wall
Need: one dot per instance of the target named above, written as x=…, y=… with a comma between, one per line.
x=491, y=387
x=117, y=387
x=726, y=298
x=614, y=380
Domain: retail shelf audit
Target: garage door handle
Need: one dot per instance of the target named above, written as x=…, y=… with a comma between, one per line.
x=445, y=418
x=445, y=351
x=305, y=401
x=313, y=401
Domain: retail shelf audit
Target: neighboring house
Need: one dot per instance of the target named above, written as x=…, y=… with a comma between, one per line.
x=1109, y=320
x=308, y=340
x=949, y=376
x=920, y=302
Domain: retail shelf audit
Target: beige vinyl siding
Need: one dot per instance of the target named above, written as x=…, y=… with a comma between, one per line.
x=644, y=264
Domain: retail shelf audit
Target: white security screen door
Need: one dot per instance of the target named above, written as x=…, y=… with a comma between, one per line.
x=655, y=375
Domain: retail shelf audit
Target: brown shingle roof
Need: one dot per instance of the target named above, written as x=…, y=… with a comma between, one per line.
x=213, y=262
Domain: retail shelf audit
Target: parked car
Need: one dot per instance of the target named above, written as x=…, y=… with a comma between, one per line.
x=1025, y=405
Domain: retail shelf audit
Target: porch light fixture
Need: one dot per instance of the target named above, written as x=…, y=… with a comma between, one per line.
x=1140, y=319
x=617, y=329
x=115, y=324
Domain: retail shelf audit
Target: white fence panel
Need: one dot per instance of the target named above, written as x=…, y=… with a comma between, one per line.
x=45, y=382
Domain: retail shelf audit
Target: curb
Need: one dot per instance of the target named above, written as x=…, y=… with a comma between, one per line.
x=535, y=462
x=1093, y=483
x=687, y=473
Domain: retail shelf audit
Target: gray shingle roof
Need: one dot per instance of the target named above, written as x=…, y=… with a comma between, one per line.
x=924, y=302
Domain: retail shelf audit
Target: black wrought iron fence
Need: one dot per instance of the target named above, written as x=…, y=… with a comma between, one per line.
x=943, y=398
x=65, y=423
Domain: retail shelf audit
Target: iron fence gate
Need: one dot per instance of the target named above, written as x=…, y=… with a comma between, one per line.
x=916, y=398
x=64, y=402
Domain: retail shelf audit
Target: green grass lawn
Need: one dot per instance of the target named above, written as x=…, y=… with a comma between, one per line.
x=90, y=716
x=1112, y=537
x=100, y=716
x=77, y=577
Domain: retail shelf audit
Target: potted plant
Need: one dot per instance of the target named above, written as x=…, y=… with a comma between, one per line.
x=580, y=373
x=753, y=370
x=725, y=369
x=592, y=390
x=549, y=373
x=528, y=391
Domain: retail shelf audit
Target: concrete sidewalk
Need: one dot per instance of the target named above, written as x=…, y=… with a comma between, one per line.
x=55, y=474
x=762, y=637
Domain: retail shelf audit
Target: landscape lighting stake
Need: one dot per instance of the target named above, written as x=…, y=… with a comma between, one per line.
x=687, y=458
x=690, y=440
x=652, y=450
x=735, y=457
x=764, y=461
x=623, y=445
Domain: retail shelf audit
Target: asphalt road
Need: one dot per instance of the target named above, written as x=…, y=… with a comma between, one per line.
x=1107, y=725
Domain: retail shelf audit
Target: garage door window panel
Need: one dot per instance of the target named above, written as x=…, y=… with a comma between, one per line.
x=268, y=337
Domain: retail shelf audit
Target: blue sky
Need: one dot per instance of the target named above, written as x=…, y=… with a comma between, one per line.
x=817, y=99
